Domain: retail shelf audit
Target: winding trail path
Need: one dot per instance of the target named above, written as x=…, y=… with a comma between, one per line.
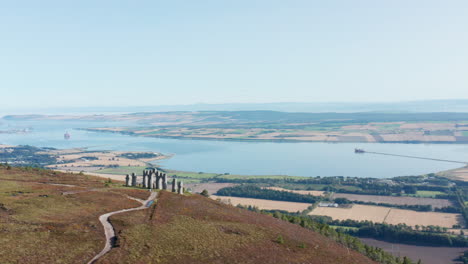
x=109, y=230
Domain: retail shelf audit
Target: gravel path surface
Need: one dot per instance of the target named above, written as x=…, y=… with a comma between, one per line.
x=109, y=230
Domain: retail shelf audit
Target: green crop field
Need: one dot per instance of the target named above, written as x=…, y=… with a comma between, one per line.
x=428, y=194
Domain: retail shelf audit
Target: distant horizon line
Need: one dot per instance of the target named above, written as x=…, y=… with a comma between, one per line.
x=234, y=103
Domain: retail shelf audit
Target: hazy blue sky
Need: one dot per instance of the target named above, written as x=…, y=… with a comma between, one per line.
x=79, y=53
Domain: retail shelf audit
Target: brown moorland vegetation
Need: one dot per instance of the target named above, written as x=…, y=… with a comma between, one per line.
x=52, y=217
x=196, y=229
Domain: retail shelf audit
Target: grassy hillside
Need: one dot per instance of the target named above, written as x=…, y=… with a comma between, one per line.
x=52, y=217
x=195, y=229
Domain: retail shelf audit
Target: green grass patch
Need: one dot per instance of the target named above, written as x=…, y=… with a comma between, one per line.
x=344, y=227
x=348, y=188
x=426, y=194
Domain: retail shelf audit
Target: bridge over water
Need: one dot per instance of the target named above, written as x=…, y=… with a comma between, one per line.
x=414, y=157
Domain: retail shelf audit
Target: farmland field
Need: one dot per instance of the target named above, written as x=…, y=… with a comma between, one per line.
x=428, y=193
x=211, y=187
x=357, y=212
x=264, y=204
x=399, y=200
x=380, y=214
x=413, y=218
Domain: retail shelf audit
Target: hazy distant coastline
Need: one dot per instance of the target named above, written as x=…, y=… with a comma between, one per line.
x=449, y=105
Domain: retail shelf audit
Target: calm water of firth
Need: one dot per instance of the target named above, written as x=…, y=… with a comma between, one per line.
x=250, y=158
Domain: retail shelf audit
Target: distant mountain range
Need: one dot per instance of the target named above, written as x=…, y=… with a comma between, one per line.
x=317, y=107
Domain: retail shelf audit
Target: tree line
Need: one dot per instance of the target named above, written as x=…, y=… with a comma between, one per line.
x=252, y=191
x=401, y=233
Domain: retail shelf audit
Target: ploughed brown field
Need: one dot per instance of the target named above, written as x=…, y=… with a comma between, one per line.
x=195, y=229
x=399, y=200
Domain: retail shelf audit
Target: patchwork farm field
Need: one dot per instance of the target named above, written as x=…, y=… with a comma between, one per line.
x=380, y=214
x=263, y=204
x=399, y=200
x=357, y=212
x=413, y=218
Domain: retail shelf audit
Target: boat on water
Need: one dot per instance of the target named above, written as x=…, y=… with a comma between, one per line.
x=357, y=150
x=66, y=136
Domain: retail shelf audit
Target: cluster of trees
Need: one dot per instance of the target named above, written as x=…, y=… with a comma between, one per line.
x=401, y=233
x=368, y=186
x=90, y=158
x=376, y=188
x=145, y=155
x=429, y=180
x=464, y=258
x=26, y=156
x=415, y=207
x=252, y=191
x=461, y=202
x=376, y=254
x=448, y=209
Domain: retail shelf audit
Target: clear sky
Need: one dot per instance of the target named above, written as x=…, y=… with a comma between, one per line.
x=111, y=52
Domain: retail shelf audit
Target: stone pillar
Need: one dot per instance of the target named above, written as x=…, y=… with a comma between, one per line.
x=150, y=177
x=134, y=179
x=143, y=183
x=180, y=188
x=155, y=180
x=127, y=180
x=174, y=184
x=158, y=182
x=164, y=181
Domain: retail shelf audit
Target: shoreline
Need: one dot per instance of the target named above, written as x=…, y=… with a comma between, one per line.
x=283, y=140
